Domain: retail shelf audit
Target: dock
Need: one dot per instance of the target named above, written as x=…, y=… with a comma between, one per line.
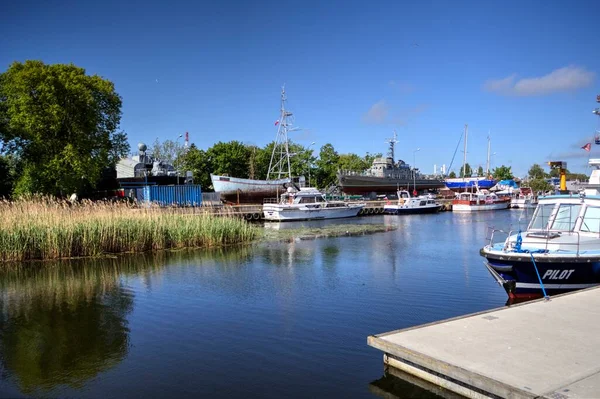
x=539, y=349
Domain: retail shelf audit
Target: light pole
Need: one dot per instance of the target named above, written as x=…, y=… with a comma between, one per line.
x=310, y=162
x=177, y=156
x=414, y=171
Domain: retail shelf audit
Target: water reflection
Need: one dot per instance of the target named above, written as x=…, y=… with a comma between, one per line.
x=63, y=323
x=398, y=384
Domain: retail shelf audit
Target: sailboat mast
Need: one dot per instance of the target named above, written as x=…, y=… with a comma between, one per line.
x=465, y=157
x=487, y=168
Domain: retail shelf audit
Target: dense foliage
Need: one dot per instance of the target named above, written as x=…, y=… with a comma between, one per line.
x=60, y=126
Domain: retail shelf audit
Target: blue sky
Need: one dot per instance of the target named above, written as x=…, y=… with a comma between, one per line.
x=528, y=72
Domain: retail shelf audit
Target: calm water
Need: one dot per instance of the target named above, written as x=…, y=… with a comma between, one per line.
x=278, y=319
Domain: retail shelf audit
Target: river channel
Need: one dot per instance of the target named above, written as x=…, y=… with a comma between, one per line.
x=276, y=319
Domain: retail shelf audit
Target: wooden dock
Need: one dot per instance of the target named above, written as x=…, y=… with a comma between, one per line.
x=539, y=349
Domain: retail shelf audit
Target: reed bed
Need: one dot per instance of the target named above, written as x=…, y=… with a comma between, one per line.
x=46, y=228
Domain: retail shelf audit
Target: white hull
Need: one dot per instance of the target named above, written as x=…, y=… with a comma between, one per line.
x=479, y=207
x=522, y=203
x=285, y=213
x=232, y=187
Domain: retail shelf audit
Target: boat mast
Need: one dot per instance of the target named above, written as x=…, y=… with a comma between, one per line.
x=487, y=168
x=465, y=158
x=280, y=157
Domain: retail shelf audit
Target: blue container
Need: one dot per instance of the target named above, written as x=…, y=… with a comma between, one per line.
x=182, y=195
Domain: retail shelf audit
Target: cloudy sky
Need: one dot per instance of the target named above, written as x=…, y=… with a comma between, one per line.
x=526, y=73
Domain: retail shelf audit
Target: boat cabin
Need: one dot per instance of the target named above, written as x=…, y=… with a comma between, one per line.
x=307, y=195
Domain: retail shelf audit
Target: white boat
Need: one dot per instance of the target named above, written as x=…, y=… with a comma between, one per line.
x=560, y=249
x=308, y=204
x=469, y=201
x=478, y=201
x=411, y=205
x=279, y=175
x=558, y=252
x=523, y=201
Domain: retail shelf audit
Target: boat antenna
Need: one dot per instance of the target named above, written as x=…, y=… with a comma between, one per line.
x=392, y=142
x=487, y=168
x=280, y=157
x=465, y=157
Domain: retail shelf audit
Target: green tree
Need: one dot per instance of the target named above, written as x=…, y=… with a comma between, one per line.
x=61, y=124
x=452, y=175
x=467, y=169
x=480, y=171
x=536, y=172
x=197, y=161
x=540, y=184
x=229, y=158
x=353, y=162
x=577, y=176
x=327, y=164
x=503, y=173
x=168, y=151
x=7, y=169
x=369, y=158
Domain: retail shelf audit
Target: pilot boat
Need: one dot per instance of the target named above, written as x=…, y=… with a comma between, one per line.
x=558, y=252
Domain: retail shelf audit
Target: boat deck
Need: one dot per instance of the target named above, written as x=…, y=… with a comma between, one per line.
x=546, y=349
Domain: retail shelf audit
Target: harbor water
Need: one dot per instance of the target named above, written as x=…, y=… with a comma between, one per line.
x=276, y=319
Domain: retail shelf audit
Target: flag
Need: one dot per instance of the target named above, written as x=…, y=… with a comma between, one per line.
x=587, y=147
x=276, y=122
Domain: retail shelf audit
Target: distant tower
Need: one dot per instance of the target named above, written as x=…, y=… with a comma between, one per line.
x=187, y=139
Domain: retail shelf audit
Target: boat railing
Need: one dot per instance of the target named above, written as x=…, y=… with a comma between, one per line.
x=492, y=232
x=549, y=235
x=270, y=201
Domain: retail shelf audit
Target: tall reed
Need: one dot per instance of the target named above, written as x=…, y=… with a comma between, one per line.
x=46, y=228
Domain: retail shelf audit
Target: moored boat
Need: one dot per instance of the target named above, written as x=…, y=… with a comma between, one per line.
x=385, y=176
x=478, y=201
x=406, y=204
x=307, y=204
x=523, y=200
x=559, y=251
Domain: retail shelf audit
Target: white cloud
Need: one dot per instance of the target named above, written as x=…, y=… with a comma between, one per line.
x=377, y=114
x=562, y=79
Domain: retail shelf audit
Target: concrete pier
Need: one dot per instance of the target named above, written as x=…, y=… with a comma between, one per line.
x=539, y=349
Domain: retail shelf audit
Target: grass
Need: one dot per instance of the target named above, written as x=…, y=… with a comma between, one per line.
x=46, y=228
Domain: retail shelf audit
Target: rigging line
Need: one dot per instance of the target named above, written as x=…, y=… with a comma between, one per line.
x=546, y=297
x=453, y=156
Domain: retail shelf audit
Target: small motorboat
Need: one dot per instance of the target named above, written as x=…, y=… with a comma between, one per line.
x=411, y=205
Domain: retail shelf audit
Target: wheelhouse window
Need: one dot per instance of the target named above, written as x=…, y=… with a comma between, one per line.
x=541, y=217
x=591, y=220
x=566, y=217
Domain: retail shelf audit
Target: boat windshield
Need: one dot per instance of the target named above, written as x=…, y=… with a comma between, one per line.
x=591, y=220
x=566, y=217
x=541, y=217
